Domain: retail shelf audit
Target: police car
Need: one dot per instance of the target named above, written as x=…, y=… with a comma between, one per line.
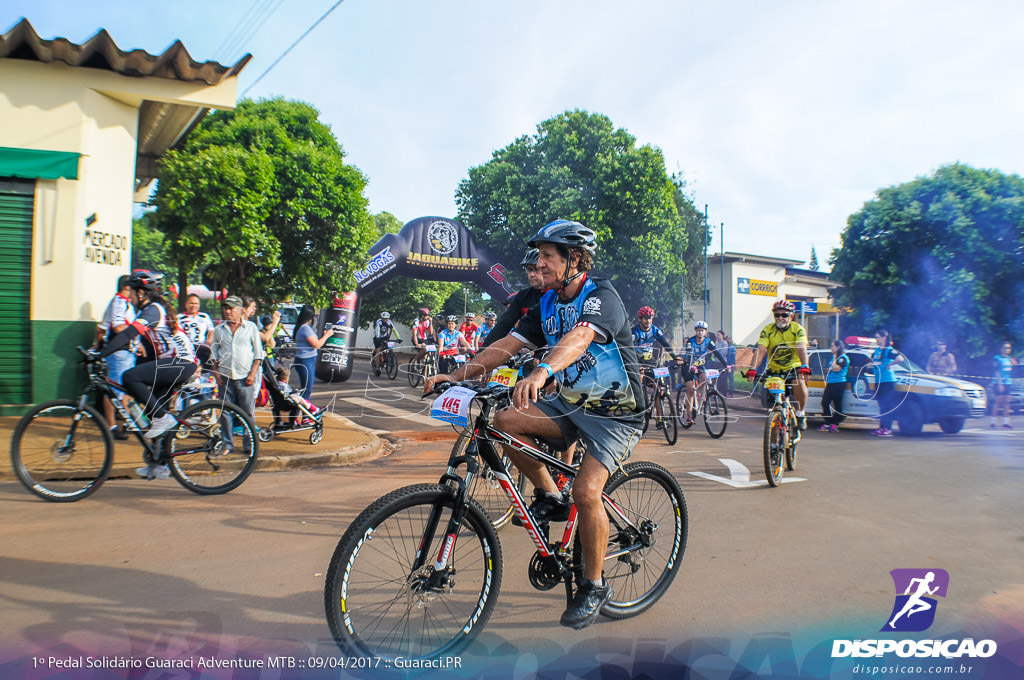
x=922, y=397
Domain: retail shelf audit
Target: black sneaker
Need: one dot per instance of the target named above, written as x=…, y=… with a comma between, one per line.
x=586, y=605
x=545, y=509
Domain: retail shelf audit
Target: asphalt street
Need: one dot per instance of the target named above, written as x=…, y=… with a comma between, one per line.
x=147, y=569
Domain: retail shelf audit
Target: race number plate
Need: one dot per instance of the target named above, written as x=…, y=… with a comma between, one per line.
x=460, y=358
x=711, y=373
x=775, y=385
x=431, y=348
x=391, y=345
x=453, y=406
x=504, y=376
x=661, y=372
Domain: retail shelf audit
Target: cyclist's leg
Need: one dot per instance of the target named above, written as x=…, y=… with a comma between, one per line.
x=690, y=393
x=532, y=422
x=799, y=393
x=169, y=374
x=138, y=382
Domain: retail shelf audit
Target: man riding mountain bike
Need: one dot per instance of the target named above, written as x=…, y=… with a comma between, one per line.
x=784, y=342
x=645, y=335
x=383, y=332
x=599, y=397
x=696, y=347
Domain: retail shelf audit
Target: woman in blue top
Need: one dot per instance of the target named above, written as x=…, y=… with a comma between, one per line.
x=882, y=359
x=306, y=346
x=835, y=387
x=1001, y=382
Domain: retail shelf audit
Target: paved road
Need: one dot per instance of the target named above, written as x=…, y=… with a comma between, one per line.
x=770, y=576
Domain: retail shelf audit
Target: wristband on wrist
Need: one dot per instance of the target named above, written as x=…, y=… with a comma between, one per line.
x=547, y=368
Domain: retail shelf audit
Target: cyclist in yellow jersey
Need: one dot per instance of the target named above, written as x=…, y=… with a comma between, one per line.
x=784, y=342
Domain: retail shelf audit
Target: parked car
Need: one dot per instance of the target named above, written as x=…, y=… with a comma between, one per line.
x=923, y=397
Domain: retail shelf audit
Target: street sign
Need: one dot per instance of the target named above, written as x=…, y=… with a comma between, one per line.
x=807, y=307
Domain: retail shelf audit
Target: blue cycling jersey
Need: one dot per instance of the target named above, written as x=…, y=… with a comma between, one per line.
x=643, y=343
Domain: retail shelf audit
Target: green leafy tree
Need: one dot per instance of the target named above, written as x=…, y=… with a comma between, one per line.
x=263, y=194
x=940, y=256
x=402, y=296
x=148, y=250
x=579, y=166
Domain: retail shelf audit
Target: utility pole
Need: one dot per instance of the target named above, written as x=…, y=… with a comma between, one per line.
x=704, y=293
x=721, y=278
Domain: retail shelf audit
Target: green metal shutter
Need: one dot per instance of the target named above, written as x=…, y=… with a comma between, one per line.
x=15, y=295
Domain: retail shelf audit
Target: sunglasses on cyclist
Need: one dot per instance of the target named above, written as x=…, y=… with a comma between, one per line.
x=782, y=315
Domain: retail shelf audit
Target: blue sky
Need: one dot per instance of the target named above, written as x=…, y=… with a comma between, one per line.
x=784, y=117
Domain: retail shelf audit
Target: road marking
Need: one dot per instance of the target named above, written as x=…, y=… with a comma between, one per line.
x=391, y=411
x=1002, y=432
x=739, y=476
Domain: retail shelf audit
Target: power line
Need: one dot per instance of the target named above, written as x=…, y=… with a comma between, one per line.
x=291, y=47
x=250, y=26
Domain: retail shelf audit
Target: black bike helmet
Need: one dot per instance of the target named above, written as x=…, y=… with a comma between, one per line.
x=567, y=233
x=143, y=279
x=531, y=257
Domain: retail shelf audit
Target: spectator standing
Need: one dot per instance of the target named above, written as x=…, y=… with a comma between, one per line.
x=116, y=318
x=1003, y=364
x=238, y=353
x=835, y=387
x=306, y=345
x=882, y=360
x=941, y=362
x=198, y=326
x=725, y=380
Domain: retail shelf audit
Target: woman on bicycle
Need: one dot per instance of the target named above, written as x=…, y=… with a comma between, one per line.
x=696, y=347
x=164, y=364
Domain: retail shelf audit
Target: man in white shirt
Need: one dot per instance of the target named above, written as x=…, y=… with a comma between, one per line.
x=238, y=352
x=198, y=326
x=119, y=314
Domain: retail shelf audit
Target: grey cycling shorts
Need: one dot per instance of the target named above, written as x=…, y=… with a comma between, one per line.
x=608, y=440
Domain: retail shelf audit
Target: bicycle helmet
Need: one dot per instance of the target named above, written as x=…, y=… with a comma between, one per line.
x=490, y=315
x=470, y=315
x=784, y=305
x=567, y=233
x=453, y=319
x=700, y=324
x=424, y=311
x=646, y=311
x=146, y=280
x=385, y=315
x=531, y=257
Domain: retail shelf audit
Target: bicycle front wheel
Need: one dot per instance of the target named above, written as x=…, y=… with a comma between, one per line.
x=792, y=441
x=681, y=413
x=391, y=366
x=62, y=453
x=216, y=447
x=648, y=530
x=379, y=605
x=670, y=423
x=774, y=446
x=415, y=372
x=716, y=414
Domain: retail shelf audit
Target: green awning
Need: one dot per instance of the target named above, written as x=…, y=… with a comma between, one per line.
x=32, y=164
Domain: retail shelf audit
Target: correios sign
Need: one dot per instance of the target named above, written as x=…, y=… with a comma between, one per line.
x=428, y=248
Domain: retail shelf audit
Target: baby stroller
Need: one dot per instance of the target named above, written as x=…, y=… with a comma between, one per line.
x=291, y=412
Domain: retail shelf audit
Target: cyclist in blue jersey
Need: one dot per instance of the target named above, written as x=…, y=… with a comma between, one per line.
x=449, y=342
x=696, y=347
x=645, y=335
x=599, y=397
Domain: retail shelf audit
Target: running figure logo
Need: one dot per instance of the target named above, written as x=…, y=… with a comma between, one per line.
x=914, y=609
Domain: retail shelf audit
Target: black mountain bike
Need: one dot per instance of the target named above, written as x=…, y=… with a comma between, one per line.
x=781, y=429
x=417, y=573
x=659, y=396
x=385, y=361
x=63, y=450
x=418, y=369
x=708, y=401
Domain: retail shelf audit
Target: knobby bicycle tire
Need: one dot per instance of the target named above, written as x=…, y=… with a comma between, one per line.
x=378, y=607
x=651, y=498
x=669, y=421
x=791, y=447
x=415, y=372
x=681, y=407
x=54, y=464
x=391, y=366
x=201, y=461
x=774, y=445
x=716, y=414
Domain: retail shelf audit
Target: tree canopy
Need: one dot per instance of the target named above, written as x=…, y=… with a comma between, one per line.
x=939, y=257
x=263, y=194
x=579, y=166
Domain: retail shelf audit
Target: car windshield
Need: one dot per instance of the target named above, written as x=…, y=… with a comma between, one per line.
x=907, y=366
x=289, y=315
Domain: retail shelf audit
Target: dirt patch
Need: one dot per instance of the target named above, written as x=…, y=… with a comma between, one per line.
x=417, y=436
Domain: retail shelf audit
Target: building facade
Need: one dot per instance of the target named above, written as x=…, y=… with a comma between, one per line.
x=81, y=129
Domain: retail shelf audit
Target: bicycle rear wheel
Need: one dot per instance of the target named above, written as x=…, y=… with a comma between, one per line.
x=644, y=553
x=58, y=463
x=774, y=445
x=391, y=366
x=378, y=605
x=716, y=414
x=415, y=372
x=204, y=461
x=669, y=421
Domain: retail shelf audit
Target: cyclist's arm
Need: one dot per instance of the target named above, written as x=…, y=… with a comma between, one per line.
x=759, y=355
x=572, y=345
x=487, y=360
x=660, y=337
x=120, y=341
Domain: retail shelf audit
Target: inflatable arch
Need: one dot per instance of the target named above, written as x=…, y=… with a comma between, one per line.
x=430, y=248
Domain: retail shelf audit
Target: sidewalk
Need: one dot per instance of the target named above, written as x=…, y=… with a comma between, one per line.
x=344, y=443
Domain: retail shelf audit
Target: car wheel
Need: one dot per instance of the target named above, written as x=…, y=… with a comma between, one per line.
x=952, y=425
x=910, y=417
